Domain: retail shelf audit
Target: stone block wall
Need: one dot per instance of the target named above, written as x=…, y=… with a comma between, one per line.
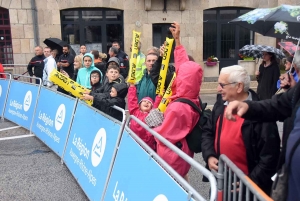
x=135, y=18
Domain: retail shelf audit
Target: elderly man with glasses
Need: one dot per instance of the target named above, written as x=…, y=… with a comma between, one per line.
x=252, y=146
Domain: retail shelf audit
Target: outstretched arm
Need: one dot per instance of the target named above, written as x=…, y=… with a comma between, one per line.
x=132, y=99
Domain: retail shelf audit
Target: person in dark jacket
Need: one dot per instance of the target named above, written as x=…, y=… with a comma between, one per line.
x=145, y=87
x=267, y=76
x=104, y=101
x=37, y=63
x=280, y=107
x=252, y=146
x=95, y=79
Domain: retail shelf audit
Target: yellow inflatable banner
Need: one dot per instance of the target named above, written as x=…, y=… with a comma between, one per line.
x=68, y=84
x=164, y=66
x=134, y=54
x=165, y=100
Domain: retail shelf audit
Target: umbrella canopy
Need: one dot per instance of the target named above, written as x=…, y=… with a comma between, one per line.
x=290, y=47
x=55, y=43
x=279, y=22
x=256, y=51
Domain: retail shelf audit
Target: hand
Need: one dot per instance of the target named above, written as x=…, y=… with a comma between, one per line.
x=175, y=30
x=287, y=81
x=236, y=107
x=65, y=73
x=86, y=92
x=58, y=64
x=257, y=73
x=162, y=50
x=213, y=163
x=87, y=97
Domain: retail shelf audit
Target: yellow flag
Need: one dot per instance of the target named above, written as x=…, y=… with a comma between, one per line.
x=133, y=57
x=165, y=100
x=68, y=85
x=164, y=66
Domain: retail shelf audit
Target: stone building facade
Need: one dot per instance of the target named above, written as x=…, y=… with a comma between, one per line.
x=31, y=24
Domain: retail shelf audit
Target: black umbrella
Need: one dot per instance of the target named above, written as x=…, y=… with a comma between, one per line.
x=256, y=51
x=55, y=43
x=279, y=22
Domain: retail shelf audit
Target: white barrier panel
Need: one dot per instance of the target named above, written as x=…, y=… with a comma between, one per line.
x=137, y=176
x=54, y=113
x=21, y=103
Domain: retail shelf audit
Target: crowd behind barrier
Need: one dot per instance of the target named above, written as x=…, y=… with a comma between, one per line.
x=97, y=153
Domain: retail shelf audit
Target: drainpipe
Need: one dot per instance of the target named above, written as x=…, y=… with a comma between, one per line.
x=35, y=23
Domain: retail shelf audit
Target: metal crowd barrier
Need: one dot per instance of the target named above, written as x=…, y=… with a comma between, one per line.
x=191, y=191
x=20, y=69
x=232, y=183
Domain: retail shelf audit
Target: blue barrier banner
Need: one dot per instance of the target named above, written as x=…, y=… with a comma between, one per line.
x=21, y=102
x=3, y=93
x=53, y=119
x=137, y=176
x=90, y=149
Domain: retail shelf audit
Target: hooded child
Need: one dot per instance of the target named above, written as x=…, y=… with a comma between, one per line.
x=83, y=77
x=95, y=80
x=141, y=110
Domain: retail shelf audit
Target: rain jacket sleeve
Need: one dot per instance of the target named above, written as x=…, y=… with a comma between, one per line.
x=132, y=100
x=177, y=122
x=180, y=57
x=277, y=108
x=157, y=101
x=29, y=68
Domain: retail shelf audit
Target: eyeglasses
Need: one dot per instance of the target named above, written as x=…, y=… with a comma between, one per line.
x=223, y=85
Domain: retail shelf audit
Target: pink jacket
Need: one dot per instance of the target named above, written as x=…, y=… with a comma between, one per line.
x=134, y=109
x=180, y=118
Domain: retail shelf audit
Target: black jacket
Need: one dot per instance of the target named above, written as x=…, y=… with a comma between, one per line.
x=280, y=107
x=37, y=63
x=154, y=72
x=261, y=141
x=267, y=81
x=104, y=101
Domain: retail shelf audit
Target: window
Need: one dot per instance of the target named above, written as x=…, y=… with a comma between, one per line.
x=96, y=28
x=222, y=39
x=6, y=52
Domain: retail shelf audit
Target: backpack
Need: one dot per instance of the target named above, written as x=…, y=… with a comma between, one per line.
x=194, y=138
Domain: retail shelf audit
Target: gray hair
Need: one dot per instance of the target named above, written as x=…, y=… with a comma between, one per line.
x=237, y=74
x=297, y=59
x=114, y=50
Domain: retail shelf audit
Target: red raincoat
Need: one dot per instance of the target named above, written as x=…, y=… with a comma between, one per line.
x=134, y=109
x=2, y=71
x=180, y=118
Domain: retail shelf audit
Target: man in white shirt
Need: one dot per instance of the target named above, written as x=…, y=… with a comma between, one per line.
x=50, y=64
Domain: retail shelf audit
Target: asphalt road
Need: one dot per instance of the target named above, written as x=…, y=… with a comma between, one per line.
x=31, y=171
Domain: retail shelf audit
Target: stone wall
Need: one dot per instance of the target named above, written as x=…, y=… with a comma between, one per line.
x=191, y=20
